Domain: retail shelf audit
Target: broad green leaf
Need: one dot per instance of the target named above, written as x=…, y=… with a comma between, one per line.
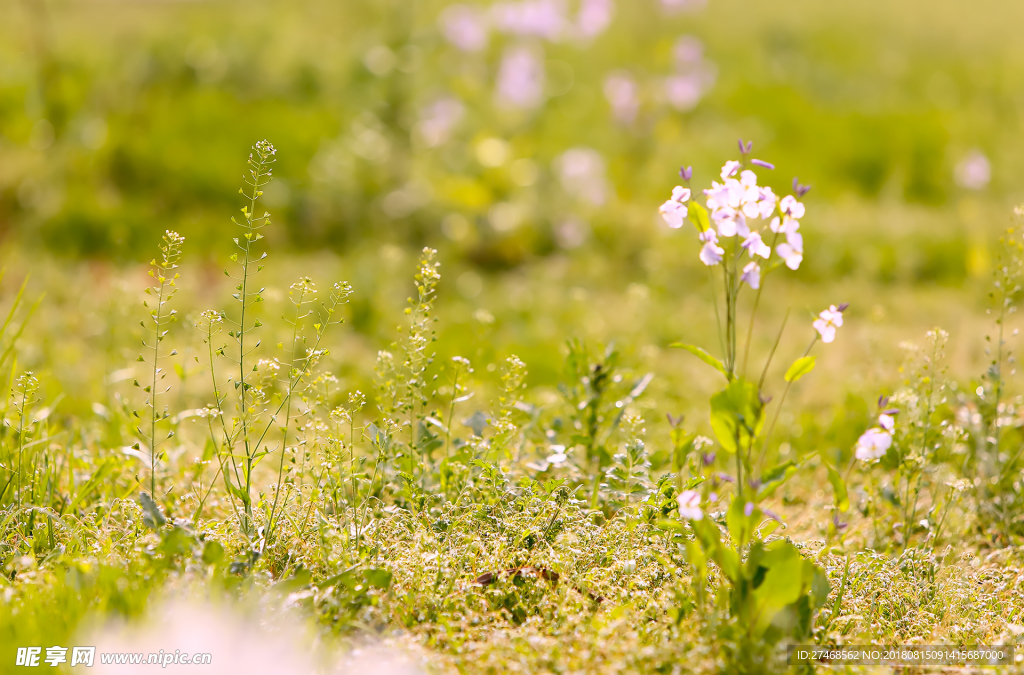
x=378, y=578
x=783, y=582
x=773, y=479
x=703, y=356
x=213, y=552
x=741, y=526
x=800, y=367
x=699, y=217
x=838, y=486
x=737, y=415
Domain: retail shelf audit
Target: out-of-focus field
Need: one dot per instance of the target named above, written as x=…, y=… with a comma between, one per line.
x=534, y=159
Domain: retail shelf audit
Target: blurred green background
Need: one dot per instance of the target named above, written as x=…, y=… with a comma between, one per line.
x=531, y=142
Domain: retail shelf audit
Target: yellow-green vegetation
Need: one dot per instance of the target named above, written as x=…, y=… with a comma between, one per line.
x=446, y=383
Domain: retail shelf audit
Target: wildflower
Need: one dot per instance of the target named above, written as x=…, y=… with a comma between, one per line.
x=887, y=422
x=521, y=78
x=674, y=210
x=465, y=27
x=784, y=224
x=730, y=168
x=748, y=508
x=974, y=171
x=622, y=93
x=710, y=254
x=594, y=17
x=751, y=275
x=826, y=324
x=766, y=202
x=557, y=455
x=792, y=250
x=791, y=207
x=762, y=163
x=872, y=444
x=756, y=246
x=689, y=505
x=731, y=222
x=439, y=120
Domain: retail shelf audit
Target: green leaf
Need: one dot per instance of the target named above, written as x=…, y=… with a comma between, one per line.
x=773, y=479
x=213, y=552
x=741, y=526
x=703, y=356
x=378, y=578
x=737, y=415
x=838, y=486
x=151, y=514
x=699, y=217
x=800, y=367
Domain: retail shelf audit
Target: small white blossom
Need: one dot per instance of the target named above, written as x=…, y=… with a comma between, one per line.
x=673, y=213
x=791, y=207
x=887, y=422
x=792, y=250
x=784, y=224
x=872, y=444
x=689, y=505
x=827, y=322
x=756, y=246
x=751, y=275
x=557, y=455
x=766, y=205
x=730, y=168
x=710, y=254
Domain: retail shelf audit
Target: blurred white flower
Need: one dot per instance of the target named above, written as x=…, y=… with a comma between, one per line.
x=785, y=224
x=582, y=174
x=622, y=93
x=439, y=120
x=687, y=51
x=887, y=422
x=729, y=169
x=827, y=322
x=751, y=275
x=973, y=171
x=792, y=250
x=521, y=78
x=791, y=207
x=683, y=91
x=557, y=455
x=689, y=505
x=673, y=6
x=465, y=26
x=872, y=444
x=531, y=18
x=674, y=210
x=594, y=17
x=754, y=245
x=710, y=254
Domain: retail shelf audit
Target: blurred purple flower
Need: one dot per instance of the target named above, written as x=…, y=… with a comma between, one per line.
x=533, y=18
x=974, y=171
x=439, y=120
x=687, y=51
x=622, y=93
x=693, y=75
x=521, y=78
x=465, y=26
x=673, y=6
x=748, y=508
x=594, y=17
x=582, y=174
x=683, y=91
x=686, y=173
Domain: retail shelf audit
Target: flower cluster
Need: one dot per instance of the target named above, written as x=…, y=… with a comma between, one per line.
x=874, y=442
x=737, y=205
x=828, y=321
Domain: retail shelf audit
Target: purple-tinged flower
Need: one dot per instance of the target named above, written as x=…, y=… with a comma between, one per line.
x=622, y=93
x=973, y=171
x=827, y=323
x=766, y=202
x=725, y=478
x=686, y=173
x=710, y=254
x=674, y=210
x=758, y=162
x=887, y=422
x=439, y=120
x=687, y=52
x=689, y=505
x=521, y=78
x=842, y=308
x=840, y=526
x=748, y=509
x=708, y=458
x=791, y=207
x=745, y=148
x=754, y=245
x=784, y=224
x=684, y=91
x=730, y=168
x=771, y=514
x=465, y=26
x=792, y=250
x=751, y=275
x=872, y=444
x=531, y=18
x=594, y=17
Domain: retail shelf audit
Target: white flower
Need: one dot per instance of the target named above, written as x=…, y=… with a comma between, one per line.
x=751, y=275
x=767, y=203
x=791, y=207
x=886, y=421
x=826, y=324
x=792, y=250
x=711, y=255
x=673, y=213
x=730, y=169
x=748, y=179
x=674, y=210
x=680, y=194
x=872, y=444
x=689, y=505
x=784, y=224
x=756, y=246
x=557, y=455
